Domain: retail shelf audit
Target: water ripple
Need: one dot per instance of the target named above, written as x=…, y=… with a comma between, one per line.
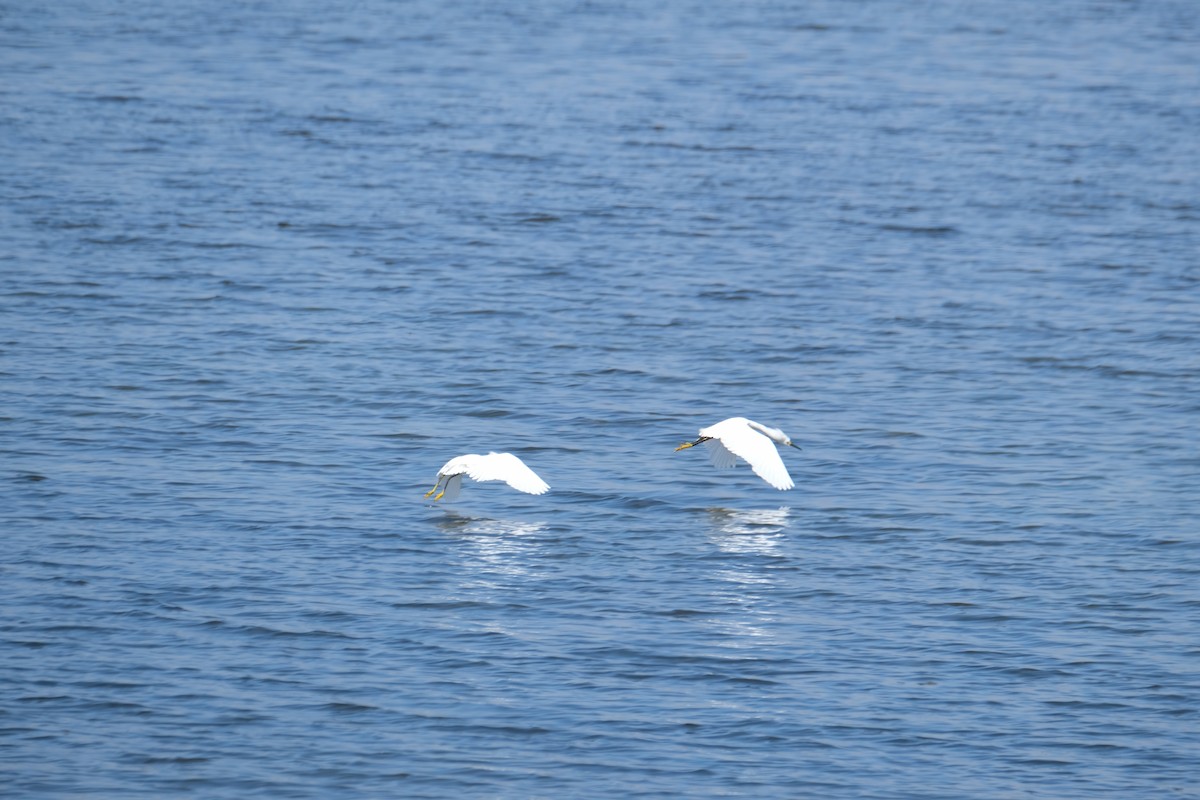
x=262, y=278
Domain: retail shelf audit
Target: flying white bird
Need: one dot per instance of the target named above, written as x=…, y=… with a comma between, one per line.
x=738, y=437
x=492, y=467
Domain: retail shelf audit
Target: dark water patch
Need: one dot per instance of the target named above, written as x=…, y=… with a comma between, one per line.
x=118, y=240
x=349, y=708
x=43, y=698
x=455, y=606
x=168, y=760
x=687, y=612
x=936, y=231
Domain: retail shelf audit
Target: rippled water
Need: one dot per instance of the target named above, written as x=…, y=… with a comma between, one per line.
x=266, y=267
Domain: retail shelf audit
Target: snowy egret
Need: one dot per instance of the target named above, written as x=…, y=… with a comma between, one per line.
x=738, y=437
x=492, y=467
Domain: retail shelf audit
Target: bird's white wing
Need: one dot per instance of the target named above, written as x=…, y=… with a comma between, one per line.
x=508, y=468
x=759, y=452
x=719, y=455
x=452, y=487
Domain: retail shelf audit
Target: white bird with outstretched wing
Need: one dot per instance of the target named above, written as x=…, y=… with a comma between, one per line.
x=491, y=467
x=740, y=438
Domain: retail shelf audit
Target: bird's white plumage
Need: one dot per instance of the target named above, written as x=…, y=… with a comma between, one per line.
x=491, y=467
x=719, y=455
x=738, y=437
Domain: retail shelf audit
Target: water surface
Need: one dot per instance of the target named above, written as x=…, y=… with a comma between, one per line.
x=266, y=268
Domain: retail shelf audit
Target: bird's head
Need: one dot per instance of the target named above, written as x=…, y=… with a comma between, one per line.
x=774, y=434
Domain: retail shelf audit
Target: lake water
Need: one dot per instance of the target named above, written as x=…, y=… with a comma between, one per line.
x=266, y=267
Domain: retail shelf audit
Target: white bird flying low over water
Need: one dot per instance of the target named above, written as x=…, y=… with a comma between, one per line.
x=738, y=437
x=492, y=467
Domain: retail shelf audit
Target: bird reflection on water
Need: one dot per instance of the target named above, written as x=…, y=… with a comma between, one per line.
x=505, y=546
x=464, y=524
x=746, y=537
x=748, y=530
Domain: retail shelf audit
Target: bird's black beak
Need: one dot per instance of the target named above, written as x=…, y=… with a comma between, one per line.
x=798, y=447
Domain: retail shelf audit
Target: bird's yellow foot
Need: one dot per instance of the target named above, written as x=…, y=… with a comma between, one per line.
x=685, y=446
x=438, y=496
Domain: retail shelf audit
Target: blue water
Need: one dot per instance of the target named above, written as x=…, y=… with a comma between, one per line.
x=266, y=267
